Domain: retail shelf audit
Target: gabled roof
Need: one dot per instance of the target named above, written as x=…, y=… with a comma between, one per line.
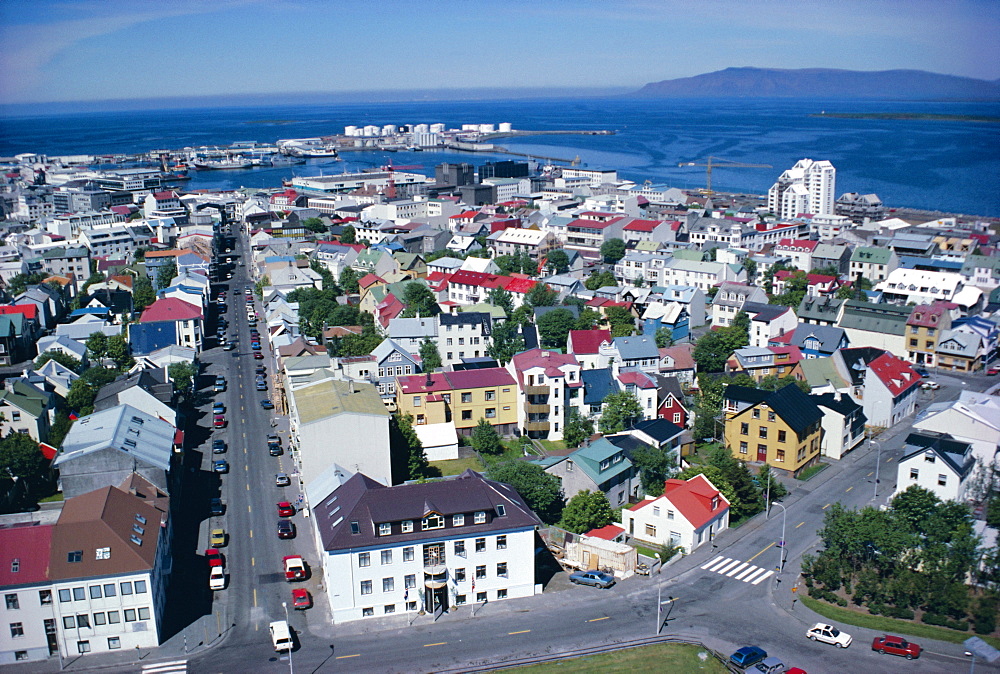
x=660, y=430
x=639, y=347
x=597, y=384
x=170, y=309
x=29, y=546
x=897, y=375
x=551, y=361
x=588, y=342
x=796, y=408
x=123, y=428
x=589, y=459
x=694, y=497
x=955, y=453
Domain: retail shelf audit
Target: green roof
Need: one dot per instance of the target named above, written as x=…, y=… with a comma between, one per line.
x=820, y=371
x=688, y=254
x=888, y=319
x=871, y=255
x=589, y=459
x=27, y=398
x=330, y=397
x=484, y=308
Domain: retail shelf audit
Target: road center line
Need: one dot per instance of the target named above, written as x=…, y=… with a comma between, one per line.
x=849, y=489
x=341, y=657
x=869, y=473
x=594, y=620
x=761, y=552
x=799, y=525
x=826, y=506
x=440, y=643
x=521, y=632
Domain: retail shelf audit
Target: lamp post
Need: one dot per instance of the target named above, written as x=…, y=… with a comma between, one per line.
x=781, y=561
x=878, y=460
x=291, y=670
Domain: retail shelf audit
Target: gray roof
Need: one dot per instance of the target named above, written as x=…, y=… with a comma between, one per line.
x=634, y=348
x=125, y=428
x=765, y=313
x=819, y=308
x=829, y=337
x=956, y=343
x=412, y=328
x=957, y=454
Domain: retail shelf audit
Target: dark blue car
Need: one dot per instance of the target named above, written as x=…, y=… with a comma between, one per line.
x=747, y=656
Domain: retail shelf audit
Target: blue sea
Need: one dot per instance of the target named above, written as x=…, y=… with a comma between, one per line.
x=951, y=166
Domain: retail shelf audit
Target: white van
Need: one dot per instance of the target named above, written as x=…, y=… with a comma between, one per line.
x=281, y=636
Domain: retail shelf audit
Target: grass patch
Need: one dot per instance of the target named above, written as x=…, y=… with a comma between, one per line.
x=656, y=658
x=458, y=466
x=890, y=625
x=811, y=470
x=553, y=445
x=55, y=498
x=643, y=550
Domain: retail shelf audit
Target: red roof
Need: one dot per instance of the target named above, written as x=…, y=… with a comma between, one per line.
x=477, y=278
x=637, y=378
x=459, y=379
x=520, y=285
x=550, y=360
x=642, y=225
x=694, y=497
x=897, y=375
x=163, y=196
x=798, y=244
x=588, y=341
x=29, y=310
x=170, y=309
x=583, y=223
x=682, y=354
x=369, y=280
x=794, y=353
x=608, y=533
x=926, y=315
x=30, y=545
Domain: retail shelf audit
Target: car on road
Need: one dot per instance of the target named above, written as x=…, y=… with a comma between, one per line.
x=219, y=421
x=993, y=371
x=281, y=636
x=282, y=480
x=922, y=371
x=216, y=507
x=286, y=529
x=267, y=404
x=217, y=538
x=229, y=346
x=274, y=450
x=255, y=346
x=260, y=369
x=829, y=634
x=769, y=665
x=218, y=447
x=930, y=386
x=301, y=599
x=214, y=558
x=747, y=656
x=894, y=645
x=217, y=578
x=220, y=384
x=258, y=355
x=592, y=577
x=295, y=568
x=220, y=466
x=261, y=386
x=273, y=439
x=218, y=408
x=285, y=509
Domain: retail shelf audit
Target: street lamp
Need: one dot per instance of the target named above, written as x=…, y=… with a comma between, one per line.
x=291, y=670
x=878, y=460
x=781, y=561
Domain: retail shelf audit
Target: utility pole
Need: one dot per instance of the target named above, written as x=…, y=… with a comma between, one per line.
x=878, y=461
x=781, y=561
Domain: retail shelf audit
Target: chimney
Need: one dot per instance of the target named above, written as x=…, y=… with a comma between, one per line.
x=430, y=381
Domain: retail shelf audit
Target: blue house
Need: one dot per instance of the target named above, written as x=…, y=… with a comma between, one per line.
x=597, y=384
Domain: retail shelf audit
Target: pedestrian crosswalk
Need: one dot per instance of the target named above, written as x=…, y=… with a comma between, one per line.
x=172, y=667
x=734, y=568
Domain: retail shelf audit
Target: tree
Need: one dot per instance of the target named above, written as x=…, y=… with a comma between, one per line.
x=165, y=274
x=914, y=506
x=360, y=345
x=750, y=266
x=622, y=409
x=554, y=327
x=585, y=511
x=20, y=458
x=578, y=428
x=588, y=319
x=429, y=356
x=96, y=277
x=409, y=459
x=349, y=281
x=505, y=342
x=486, y=440
x=557, y=261
x=613, y=250
x=621, y=320
x=716, y=477
x=63, y=359
x=118, y=350
x=541, y=295
x=82, y=392
x=655, y=467
x=97, y=346
x=183, y=376
x=508, y=264
x=599, y=279
x=258, y=289
x=142, y=293
x=348, y=234
x=20, y=282
x=419, y=299
x=329, y=283
x=664, y=337
x=501, y=297
x=708, y=406
x=314, y=225
x=140, y=253
x=770, y=486
x=795, y=289
x=541, y=492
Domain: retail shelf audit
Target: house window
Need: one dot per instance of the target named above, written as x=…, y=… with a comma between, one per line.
x=384, y=529
x=480, y=572
x=388, y=584
x=114, y=643
x=467, y=397
x=69, y=622
x=409, y=581
x=670, y=514
x=756, y=413
x=929, y=458
x=458, y=520
x=763, y=431
x=64, y=595
x=432, y=522
x=408, y=554
x=480, y=545
x=780, y=455
x=502, y=542
x=100, y=619
x=501, y=510
x=677, y=417
x=421, y=420
x=491, y=395
x=144, y=613
x=364, y=559
x=389, y=608
x=74, y=556
x=781, y=436
x=386, y=557
x=45, y=597
x=466, y=415
x=460, y=600
x=82, y=647
x=355, y=528
x=743, y=448
x=651, y=530
x=129, y=615
x=502, y=569
x=656, y=511
x=79, y=594
x=460, y=548
x=744, y=429
x=95, y=591
x=366, y=587
x=943, y=480
x=481, y=597
x=114, y=617
x=480, y=517
x=459, y=575
x=491, y=412
x=407, y=526
x=367, y=612
x=12, y=601
x=16, y=630
x=416, y=401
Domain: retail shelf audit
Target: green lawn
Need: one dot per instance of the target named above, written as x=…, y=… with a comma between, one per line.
x=553, y=445
x=458, y=466
x=58, y=496
x=657, y=658
x=891, y=625
x=811, y=470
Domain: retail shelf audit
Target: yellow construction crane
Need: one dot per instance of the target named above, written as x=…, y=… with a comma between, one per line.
x=720, y=163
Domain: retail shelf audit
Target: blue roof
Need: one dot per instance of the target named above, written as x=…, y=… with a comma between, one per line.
x=96, y=311
x=144, y=338
x=597, y=384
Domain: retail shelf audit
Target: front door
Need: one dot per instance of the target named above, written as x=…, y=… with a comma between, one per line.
x=762, y=453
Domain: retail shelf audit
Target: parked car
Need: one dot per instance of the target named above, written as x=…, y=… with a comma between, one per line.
x=829, y=634
x=267, y=404
x=894, y=645
x=220, y=466
x=769, y=665
x=219, y=421
x=282, y=480
x=220, y=384
x=218, y=538
x=218, y=408
x=274, y=450
x=301, y=599
x=214, y=558
x=258, y=355
x=260, y=369
x=993, y=371
x=273, y=440
x=216, y=507
x=286, y=529
x=261, y=386
x=217, y=578
x=922, y=371
x=229, y=346
x=747, y=656
x=218, y=447
x=295, y=568
x=930, y=386
x=285, y=509
x=593, y=577
x=255, y=346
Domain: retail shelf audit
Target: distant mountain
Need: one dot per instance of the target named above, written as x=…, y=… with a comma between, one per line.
x=824, y=83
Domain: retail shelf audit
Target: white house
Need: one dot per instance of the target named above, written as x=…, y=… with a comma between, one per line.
x=689, y=514
x=937, y=462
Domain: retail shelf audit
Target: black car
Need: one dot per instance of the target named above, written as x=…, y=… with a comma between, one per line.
x=275, y=450
x=260, y=370
x=286, y=529
x=218, y=447
x=216, y=507
x=267, y=404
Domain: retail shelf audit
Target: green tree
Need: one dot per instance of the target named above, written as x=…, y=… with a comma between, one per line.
x=140, y=253
x=655, y=467
x=20, y=282
x=585, y=511
x=505, y=342
x=349, y=234
x=767, y=480
x=183, y=376
x=97, y=277
x=578, y=428
x=508, y=264
x=119, y=352
x=419, y=300
x=142, y=293
x=82, y=392
x=795, y=290
x=621, y=411
x=258, y=288
x=20, y=458
x=557, y=261
x=664, y=337
x=716, y=477
x=429, y=356
x=600, y=279
x=588, y=319
x=349, y=281
x=554, y=327
x=708, y=406
x=165, y=274
x=410, y=460
x=613, y=250
x=621, y=320
x=315, y=225
x=97, y=346
x=541, y=492
x=751, y=268
x=501, y=297
x=486, y=440
x=541, y=295
x=360, y=345
x=329, y=283
x=63, y=359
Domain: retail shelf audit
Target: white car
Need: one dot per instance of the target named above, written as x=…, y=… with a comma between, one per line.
x=829, y=634
x=217, y=579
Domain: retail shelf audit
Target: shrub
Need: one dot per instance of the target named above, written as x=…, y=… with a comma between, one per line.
x=985, y=614
x=945, y=621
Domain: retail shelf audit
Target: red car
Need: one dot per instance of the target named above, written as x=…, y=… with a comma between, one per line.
x=258, y=355
x=896, y=646
x=295, y=568
x=214, y=558
x=995, y=370
x=219, y=421
x=301, y=598
x=285, y=509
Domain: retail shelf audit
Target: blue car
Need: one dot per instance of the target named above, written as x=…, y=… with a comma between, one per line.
x=593, y=577
x=220, y=466
x=747, y=656
x=267, y=404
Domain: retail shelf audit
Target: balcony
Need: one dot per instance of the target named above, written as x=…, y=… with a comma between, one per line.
x=536, y=426
x=536, y=390
x=536, y=409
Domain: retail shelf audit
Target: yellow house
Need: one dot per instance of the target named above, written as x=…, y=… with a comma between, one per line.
x=780, y=428
x=462, y=397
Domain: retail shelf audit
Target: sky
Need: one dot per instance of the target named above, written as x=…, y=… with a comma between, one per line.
x=86, y=50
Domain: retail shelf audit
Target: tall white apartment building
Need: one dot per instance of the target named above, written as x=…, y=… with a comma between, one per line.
x=807, y=187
